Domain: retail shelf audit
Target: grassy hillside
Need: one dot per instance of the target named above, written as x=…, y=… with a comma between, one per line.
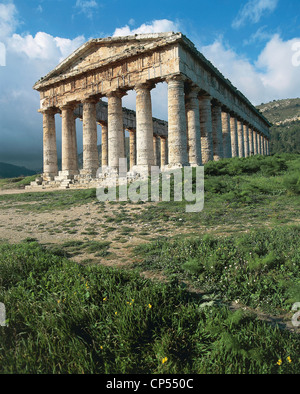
x=228, y=277
x=12, y=171
x=285, y=117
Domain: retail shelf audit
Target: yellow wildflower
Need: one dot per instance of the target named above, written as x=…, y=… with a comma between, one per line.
x=116, y=313
x=279, y=362
x=164, y=360
x=105, y=298
x=289, y=359
x=150, y=306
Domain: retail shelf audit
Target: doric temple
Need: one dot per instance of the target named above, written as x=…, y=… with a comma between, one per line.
x=208, y=118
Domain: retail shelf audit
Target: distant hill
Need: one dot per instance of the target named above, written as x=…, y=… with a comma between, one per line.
x=12, y=171
x=80, y=155
x=285, y=117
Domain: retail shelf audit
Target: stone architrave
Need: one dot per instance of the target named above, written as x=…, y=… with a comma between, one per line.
x=107, y=68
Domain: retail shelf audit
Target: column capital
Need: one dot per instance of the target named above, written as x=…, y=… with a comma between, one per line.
x=102, y=123
x=205, y=97
x=117, y=93
x=144, y=86
x=90, y=100
x=176, y=78
x=193, y=92
x=49, y=110
x=67, y=106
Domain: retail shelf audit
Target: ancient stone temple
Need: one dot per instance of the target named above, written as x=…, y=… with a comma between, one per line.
x=208, y=118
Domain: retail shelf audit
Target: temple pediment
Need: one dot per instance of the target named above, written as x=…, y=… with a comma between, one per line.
x=98, y=53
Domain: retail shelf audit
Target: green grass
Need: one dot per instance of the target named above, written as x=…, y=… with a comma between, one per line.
x=260, y=268
x=45, y=201
x=75, y=247
x=68, y=318
x=17, y=183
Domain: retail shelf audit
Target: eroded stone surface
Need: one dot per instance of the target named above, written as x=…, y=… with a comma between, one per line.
x=208, y=118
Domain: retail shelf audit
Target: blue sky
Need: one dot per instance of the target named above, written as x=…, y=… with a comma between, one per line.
x=254, y=43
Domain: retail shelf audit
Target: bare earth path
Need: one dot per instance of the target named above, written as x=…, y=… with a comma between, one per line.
x=94, y=222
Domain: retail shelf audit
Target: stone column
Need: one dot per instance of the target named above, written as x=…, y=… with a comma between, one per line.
x=240, y=128
x=264, y=145
x=50, y=168
x=251, y=142
x=234, y=137
x=144, y=129
x=163, y=152
x=260, y=144
x=177, y=128
x=132, y=148
x=255, y=137
x=122, y=144
x=246, y=140
x=156, y=150
x=206, y=128
x=104, y=160
x=226, y=132
x=69, y=163
x=90, y=151
x=115, y=129
x=193, y=128
x=217, y=132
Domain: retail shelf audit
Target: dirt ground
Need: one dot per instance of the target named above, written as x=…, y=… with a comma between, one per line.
x=89, y=222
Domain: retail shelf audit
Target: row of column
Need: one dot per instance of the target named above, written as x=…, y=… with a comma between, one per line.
x=199, y=130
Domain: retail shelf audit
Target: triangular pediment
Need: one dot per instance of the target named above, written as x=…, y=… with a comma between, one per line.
x=100, y=52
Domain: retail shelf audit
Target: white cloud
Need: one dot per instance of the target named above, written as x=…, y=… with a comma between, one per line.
x=87, y=7
x=253, y=11
x=272, y=76
x=156, y=26
x=44, y=46
x=280, y=77
x=8, y=19
x=27, y=59
x=259, y=36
